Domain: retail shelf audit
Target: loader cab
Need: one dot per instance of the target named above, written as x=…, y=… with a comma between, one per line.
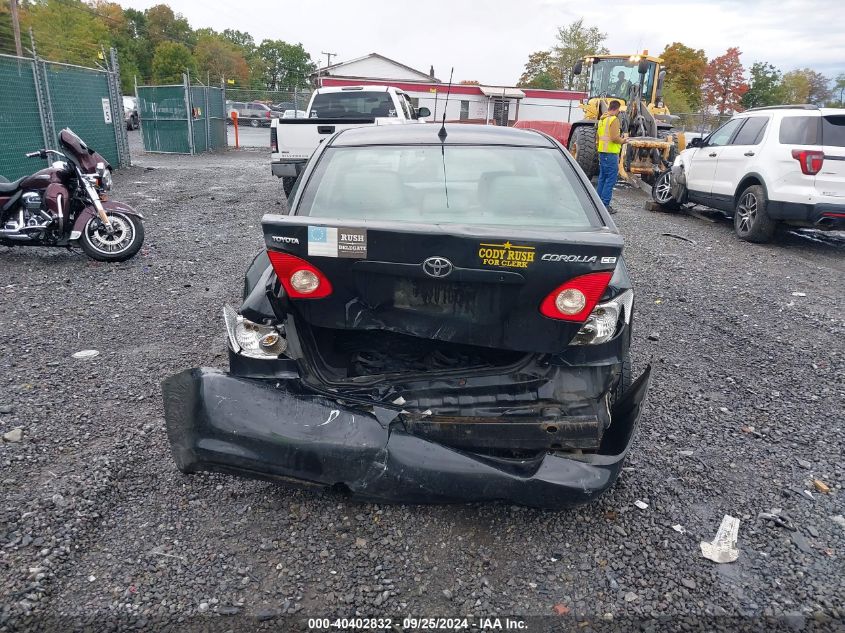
x=614, y=77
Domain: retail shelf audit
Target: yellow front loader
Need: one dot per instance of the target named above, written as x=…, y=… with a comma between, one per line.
x=636, y=81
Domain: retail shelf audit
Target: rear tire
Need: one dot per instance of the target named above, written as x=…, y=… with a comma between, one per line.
x=661, y=192
x=125, y=243
x=751, y=222
x=582, y=146
x=254, y=122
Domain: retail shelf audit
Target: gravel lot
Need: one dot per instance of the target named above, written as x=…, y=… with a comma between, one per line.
x=96, y=525
x=250, y=136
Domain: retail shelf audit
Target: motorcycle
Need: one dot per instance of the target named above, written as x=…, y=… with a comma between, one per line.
x=66, y=205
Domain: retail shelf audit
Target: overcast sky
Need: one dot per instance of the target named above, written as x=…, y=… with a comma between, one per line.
x=490, y=41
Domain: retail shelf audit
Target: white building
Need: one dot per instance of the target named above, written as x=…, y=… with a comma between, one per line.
x=498, y=105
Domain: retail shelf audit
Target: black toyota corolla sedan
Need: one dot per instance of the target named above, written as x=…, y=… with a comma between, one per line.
x=440, y=317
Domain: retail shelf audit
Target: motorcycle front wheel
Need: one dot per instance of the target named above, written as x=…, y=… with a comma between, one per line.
x=123, y=243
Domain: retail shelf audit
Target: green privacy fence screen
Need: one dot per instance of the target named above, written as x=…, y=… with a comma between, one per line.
x=39, y=98
x=182, y=119
x=20, y=119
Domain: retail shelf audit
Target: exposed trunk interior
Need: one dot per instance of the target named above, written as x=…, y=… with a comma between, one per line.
x=356, y=353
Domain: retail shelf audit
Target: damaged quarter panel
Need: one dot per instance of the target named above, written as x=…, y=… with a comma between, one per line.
x=437, y=320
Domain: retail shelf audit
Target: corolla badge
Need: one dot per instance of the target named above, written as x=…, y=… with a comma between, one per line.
x=437, y=267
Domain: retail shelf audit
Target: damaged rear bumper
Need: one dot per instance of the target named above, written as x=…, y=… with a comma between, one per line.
x=276, y=430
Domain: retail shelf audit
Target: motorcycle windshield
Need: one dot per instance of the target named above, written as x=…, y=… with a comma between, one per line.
x=77, y=150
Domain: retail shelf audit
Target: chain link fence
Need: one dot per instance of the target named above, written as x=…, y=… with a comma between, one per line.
x=182, y=118
x=699, y=122
x=278, y=100
x=39, y=98
x=21, y=128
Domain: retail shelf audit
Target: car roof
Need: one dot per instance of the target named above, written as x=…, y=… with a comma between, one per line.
x=329, y=89
x=426, y=134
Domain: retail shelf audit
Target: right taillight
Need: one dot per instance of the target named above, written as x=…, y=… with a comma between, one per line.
x=811, y=160
x=274, y=140
x=301, y=279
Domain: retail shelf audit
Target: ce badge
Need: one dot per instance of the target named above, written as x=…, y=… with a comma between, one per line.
x=437, y=267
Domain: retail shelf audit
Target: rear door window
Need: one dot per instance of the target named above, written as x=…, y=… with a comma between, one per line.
x=752, y=132
x=833, y=131
x=800, y=130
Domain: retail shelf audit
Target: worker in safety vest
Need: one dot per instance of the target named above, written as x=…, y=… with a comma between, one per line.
x=610, y=143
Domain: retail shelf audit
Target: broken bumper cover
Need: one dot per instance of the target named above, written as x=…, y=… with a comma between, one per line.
x=275, y=430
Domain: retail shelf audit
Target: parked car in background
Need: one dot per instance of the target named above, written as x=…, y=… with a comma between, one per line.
x=442, y=317
x=130, y=113
x=293, y=140
x=283, y=105
x=778, y=164
x=254, y=114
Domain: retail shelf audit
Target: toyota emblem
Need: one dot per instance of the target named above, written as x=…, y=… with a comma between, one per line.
x=437, y=267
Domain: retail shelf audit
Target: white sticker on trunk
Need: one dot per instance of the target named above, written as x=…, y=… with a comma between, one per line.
x=326, y=241
x=322, y=241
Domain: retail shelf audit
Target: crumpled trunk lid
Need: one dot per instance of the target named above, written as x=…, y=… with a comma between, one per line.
x=472, y=285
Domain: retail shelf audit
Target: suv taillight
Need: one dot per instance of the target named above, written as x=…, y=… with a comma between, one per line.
x=267, y=114
x=301, y=279
x=274, y=140
x=811, y=160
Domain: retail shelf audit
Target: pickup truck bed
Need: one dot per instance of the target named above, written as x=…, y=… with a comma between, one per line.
x=292, y=141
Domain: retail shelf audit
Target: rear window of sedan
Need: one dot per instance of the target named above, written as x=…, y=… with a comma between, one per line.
x=458, y=184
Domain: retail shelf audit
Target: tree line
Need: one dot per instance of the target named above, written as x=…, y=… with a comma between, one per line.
x=693, y=83
x=155, y=45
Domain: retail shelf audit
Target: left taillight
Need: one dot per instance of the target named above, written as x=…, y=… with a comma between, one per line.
x=274, y=140
x=575, y=299
x=301, y=279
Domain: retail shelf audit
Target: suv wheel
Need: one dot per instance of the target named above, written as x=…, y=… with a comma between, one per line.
x=751, y=222
x=254, y=122
x=661, y=192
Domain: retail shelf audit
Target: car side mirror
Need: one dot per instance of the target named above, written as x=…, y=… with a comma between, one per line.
x=423, y=112
x=578, y=67
x=643, y=66
x=696, y=142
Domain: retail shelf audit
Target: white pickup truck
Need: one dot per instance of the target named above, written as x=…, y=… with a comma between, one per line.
x=292, y=141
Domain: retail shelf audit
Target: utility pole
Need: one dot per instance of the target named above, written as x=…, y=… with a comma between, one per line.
x=328, y=57
x=16, y=27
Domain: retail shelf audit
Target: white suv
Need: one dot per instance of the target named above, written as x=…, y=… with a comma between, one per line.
x=764, y=166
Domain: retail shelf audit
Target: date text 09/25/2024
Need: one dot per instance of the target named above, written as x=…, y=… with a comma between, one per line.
x=419, y=624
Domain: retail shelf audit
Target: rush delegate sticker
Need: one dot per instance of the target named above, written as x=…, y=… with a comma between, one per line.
x=329, y=241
